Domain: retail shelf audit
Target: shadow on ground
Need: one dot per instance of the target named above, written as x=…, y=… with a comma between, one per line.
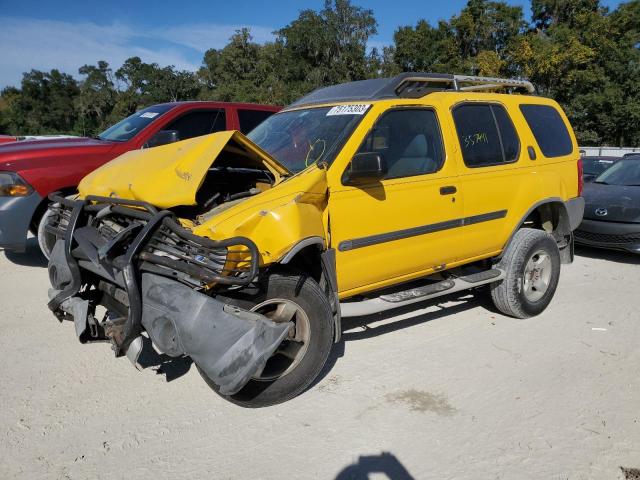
x=355, y=328
x=609, y=255
x=171, y=367
x=358, y=328
x=384, y=465
x=31, y=257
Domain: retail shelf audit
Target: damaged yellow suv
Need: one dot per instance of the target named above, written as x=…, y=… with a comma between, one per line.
x=243, y=253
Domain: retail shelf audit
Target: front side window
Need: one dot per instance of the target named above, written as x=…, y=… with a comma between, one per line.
x=300, y=138
x=549, y=130
x=487, y=135
x=408, y=140
x=198, y=123
x=131, y=126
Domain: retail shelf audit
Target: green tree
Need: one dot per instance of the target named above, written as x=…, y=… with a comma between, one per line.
x=587, y=59
x=44, y=103
x=328, y=46
x=231, y=73
x=142, y=84
x=555, y=12
x=473, y=42
x=424, y=48
x=96, y=99
x=575, y=51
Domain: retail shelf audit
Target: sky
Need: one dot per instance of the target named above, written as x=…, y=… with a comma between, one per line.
x=70, y=33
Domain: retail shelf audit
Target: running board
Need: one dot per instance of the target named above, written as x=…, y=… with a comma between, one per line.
x=413, y=295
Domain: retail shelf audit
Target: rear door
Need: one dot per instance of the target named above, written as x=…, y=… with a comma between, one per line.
x=400, y=226
x=491, y=175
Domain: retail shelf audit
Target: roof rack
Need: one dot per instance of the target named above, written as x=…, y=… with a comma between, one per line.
x=420, y=85
x=409, y=85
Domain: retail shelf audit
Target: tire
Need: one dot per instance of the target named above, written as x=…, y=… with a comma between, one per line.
x=532, y=266
x=303, y=292
x=46, y=240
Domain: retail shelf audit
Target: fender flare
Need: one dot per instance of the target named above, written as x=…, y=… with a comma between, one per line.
x=566, y=223
x=328, y=260
x=302, y=244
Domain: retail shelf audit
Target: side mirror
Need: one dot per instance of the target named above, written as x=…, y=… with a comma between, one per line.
x=367, y=166
x=163, y=137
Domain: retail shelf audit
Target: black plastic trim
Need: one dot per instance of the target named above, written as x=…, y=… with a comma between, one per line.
x=76, y=277
x=133, y=324
x=421, y=230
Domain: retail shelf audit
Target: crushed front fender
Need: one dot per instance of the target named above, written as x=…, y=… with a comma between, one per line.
x=148, y=274
x=230, y=345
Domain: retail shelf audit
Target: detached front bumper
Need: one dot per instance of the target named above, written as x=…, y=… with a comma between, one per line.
x=15, y=216
x=610, y=235
x=149, y=274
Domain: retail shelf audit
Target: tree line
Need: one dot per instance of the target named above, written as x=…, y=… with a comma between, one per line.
x=582, y=54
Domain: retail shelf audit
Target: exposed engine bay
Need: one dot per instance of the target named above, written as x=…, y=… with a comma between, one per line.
x=231, y=179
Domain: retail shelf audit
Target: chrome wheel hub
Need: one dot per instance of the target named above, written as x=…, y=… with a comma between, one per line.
x=294, y=347
x=537, y=276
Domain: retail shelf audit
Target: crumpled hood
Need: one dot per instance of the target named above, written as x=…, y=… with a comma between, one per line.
x=622, y=203
x=169, y=175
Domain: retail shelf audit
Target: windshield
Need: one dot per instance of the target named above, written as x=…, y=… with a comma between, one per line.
x=595, y=166
x=624, y=172
x=130, y=126
x=301, y=138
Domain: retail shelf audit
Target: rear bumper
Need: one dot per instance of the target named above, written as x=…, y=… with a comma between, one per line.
x=15, y=216
x=611, y=235
x=575, y=210
x=148, y=272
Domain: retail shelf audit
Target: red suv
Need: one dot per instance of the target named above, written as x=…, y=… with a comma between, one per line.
x=31, y=170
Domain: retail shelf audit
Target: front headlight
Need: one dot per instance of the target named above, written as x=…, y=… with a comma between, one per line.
x=12, y=185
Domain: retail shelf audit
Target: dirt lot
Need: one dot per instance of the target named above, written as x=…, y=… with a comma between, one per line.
x=450, y=391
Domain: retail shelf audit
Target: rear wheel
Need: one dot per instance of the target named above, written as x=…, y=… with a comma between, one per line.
x=532, y=266
x=287, y=297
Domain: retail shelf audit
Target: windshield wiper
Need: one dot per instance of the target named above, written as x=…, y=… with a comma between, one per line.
x=601, y=183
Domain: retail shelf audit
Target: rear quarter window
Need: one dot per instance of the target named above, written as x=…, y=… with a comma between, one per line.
x=549, y=130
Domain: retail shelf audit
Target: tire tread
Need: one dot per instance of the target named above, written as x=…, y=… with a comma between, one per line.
x=505, y=294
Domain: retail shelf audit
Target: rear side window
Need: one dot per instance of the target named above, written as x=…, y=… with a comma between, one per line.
x=250, y=119
x=550, y=131
x=200, y=122
x=487, y=135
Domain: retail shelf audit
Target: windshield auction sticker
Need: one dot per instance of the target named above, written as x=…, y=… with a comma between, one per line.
x=149, y=115
x=348, y=110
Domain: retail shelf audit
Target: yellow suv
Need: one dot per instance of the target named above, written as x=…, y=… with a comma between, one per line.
x=243, y=253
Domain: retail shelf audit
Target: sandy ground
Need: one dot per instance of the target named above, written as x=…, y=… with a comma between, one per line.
x=453, y=390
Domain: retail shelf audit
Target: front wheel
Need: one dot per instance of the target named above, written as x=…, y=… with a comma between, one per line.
x=532, y=266
x=300, y=357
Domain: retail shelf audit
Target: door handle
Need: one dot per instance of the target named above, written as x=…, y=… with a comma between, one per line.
x=448, y=190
